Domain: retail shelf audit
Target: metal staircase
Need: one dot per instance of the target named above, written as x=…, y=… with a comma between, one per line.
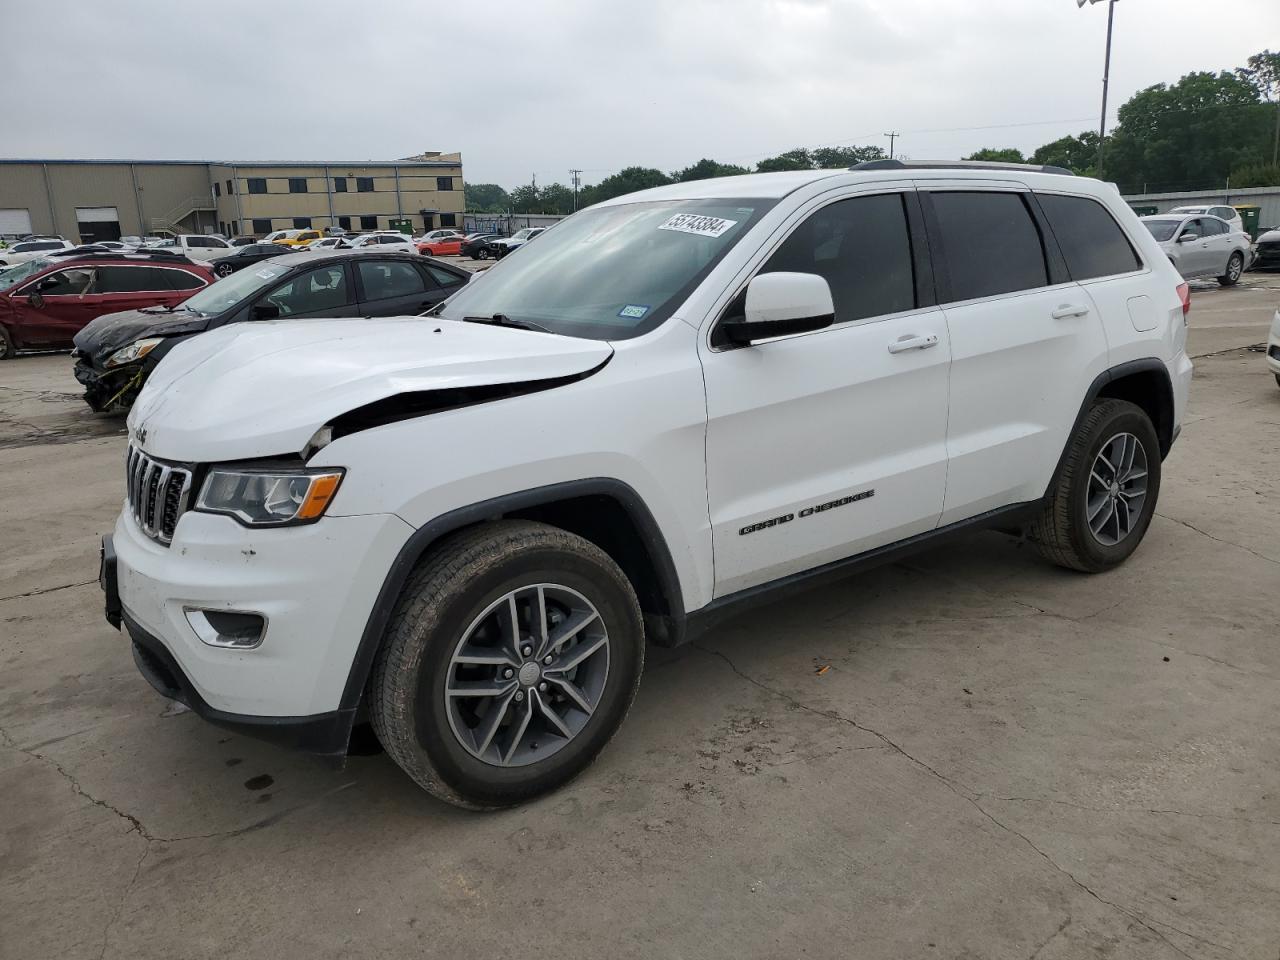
x=171, y=222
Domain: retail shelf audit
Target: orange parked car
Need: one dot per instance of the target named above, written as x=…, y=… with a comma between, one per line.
x=442, y=247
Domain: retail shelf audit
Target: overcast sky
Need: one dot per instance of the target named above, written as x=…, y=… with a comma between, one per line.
x=539, y=86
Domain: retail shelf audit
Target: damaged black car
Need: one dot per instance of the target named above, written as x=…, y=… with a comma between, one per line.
x=116, y=353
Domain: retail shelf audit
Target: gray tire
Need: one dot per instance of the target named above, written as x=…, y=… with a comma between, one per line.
x=7, y=347
x=1235, y=267
x=1100, y=504
x=436, y=694
x=223, y=270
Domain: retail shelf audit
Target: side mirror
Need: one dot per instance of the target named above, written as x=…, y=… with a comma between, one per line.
x=36, y=299
x=1188, y=237
x=264, y=311
x=780, y=304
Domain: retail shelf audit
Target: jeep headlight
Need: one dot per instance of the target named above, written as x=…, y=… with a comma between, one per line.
x=134, y=351
x=269, y=498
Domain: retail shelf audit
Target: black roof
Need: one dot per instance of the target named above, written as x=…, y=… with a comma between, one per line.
x=90, y=252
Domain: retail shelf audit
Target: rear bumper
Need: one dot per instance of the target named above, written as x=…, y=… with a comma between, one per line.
x=1273, y=345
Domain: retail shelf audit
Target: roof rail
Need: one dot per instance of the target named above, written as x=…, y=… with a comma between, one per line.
x=959, y=165
x=104, y=254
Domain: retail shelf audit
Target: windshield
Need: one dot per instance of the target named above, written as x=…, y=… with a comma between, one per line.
x=15, y=275
x=609, y=273
x=1162, y=230
x=226, y=293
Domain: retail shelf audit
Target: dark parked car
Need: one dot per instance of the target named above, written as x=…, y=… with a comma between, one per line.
x=45, y=302
x=245, y=256
x=115, y=354
x=475, y=245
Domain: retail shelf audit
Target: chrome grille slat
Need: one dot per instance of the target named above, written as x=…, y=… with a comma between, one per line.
x=157, y=494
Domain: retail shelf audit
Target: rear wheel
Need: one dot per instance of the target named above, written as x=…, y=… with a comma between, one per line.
x=7, y=347
x=1102, y=501
x=1235, y=267
x=482, y=254
x=511, y=659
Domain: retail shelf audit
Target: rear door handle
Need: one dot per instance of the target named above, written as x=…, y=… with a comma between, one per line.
x=909, y=342
x=1069, y=310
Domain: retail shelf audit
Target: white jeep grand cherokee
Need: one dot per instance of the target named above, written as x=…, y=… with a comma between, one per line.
x=465, y=526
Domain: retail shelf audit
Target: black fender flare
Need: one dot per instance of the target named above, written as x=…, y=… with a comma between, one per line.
x=669, y=627
x=1110, y=375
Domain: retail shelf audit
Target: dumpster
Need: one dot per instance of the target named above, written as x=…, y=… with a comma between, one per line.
x=1145, y=210
x=404, y=225
x=1250, y=215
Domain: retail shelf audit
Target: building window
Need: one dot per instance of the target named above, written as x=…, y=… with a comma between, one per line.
x=364, y=184
x=448, y=220
x=444, y=183
x=339, y=184
x=257, y=184
x=301, y=223
x=217, y=189
x=368, y=223
x=229, y=190
x=261, y=227
x=344, y=223
x=297, y=184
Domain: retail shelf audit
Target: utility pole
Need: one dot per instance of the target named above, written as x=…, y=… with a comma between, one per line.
x=576, y=177
x=1106, y=77
x=892, y=135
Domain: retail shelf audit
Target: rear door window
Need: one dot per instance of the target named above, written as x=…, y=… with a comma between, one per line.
x=385, y=279
x=991, y=242
x=129, y=280
x=1091, y=240
x=862, y=248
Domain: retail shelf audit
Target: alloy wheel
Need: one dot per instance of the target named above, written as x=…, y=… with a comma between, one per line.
x=1117, y=489
x=1234, y=268
x=527, y=675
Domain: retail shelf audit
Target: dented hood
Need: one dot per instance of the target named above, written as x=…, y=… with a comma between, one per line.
x=262, y=389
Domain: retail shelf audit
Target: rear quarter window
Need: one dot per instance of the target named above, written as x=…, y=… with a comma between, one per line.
x=1091, y=241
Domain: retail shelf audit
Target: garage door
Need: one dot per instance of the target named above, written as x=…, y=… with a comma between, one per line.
x=98, y=223
x=15, y=222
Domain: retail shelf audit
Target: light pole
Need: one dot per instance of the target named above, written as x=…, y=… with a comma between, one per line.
x=1106, y=76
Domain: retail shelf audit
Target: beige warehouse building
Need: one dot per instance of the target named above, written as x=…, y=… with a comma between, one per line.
x=90, y=200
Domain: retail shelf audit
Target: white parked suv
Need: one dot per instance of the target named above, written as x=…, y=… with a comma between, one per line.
x=1222, y=211
x=465, y=526
x=25, y=250
x=383, y=241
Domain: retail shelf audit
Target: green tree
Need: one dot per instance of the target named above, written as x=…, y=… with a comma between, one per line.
x=525, y=199
x=1188, y=135
x=1256, y=175
x=797, y=159
x=1263, y=73
x=556, y=198
x=834, y=158
x=705, y=169
x=998, y=155
x=1077, y=154
x=485, y=198
x=624, y=181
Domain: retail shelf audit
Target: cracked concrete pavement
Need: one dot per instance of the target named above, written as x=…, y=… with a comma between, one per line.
x=1000, y=758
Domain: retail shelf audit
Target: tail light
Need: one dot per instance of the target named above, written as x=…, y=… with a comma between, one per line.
x=1184, y=294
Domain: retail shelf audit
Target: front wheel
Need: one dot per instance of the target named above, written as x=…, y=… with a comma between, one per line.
x=7, y=347
x=1101, y=503
x=223, y=270
x=1235, y=267
x=510, y=660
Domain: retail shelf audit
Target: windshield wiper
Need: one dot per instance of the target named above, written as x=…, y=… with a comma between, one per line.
x=502, y=320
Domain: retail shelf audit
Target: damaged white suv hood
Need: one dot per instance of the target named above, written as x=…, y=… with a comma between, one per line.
x=263, y=389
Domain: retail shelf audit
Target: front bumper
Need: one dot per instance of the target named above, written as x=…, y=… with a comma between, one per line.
x=104, y=389
x=315, y=586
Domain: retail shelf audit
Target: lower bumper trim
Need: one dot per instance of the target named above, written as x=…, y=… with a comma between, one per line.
x=326, y=734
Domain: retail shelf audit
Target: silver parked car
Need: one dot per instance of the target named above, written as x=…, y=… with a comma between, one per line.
x=1202, y=246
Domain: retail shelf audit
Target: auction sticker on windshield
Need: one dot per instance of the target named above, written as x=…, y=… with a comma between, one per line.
x=698, y=225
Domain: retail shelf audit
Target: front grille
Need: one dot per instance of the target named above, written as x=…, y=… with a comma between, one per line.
x=158, y=494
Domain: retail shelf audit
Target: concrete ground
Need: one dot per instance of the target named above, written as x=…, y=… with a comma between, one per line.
x=1000, y=758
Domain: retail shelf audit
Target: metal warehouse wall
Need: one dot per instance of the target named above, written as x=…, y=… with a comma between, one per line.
x=1268, y=198
x=140, y=192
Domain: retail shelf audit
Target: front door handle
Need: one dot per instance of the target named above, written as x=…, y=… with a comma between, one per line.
x=1069, y=310
x=910, y=342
